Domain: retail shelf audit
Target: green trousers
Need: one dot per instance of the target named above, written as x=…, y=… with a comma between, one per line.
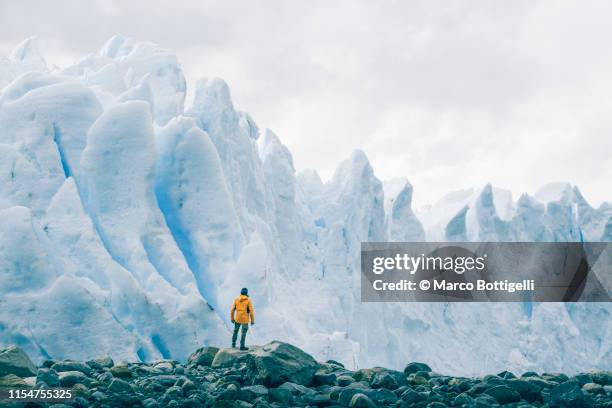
x=237, y=326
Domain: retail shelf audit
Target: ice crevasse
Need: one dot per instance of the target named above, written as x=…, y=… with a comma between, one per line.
x=129, y=221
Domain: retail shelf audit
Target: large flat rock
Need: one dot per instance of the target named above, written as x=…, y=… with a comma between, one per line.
x=14, y=360
x=271, y=364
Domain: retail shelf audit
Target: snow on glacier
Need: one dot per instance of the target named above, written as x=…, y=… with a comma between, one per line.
x=129, y=222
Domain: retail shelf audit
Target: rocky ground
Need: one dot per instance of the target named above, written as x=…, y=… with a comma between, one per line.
x=281, y=375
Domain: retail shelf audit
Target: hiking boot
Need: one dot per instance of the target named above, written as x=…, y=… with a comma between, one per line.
x=233, y=345
x=242, y=348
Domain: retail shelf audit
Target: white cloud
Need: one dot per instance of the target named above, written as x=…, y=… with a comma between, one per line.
x=449, y=94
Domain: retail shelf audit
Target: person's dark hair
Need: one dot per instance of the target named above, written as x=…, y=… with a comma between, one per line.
x=244, y=291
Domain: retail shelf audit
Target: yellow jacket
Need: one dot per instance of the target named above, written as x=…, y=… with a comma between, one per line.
x=242, y=308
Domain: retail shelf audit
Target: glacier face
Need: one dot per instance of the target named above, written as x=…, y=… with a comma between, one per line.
x=128, y=223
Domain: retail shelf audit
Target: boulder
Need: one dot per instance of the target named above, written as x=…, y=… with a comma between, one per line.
x=270, y=365
x=569, y=395
x=318, y=400
x=229, y=357
x=203, y=356
x=413, y=368
x=506, y=375
x=70, y=378
x=100, y=363
x=593, y=388
x=68, y=365
x=384, y=396
x=11, y=380
x=345, y=380
x=503, y=394
x=410, y=396
x=322, y=377
x=48, y=376
x=119, y=386
x=346, y=395
x=603, y=377
x=384, y=379
x=121, y=371
x=380, y=377
x=280, y=395
x=528, y=390
x=253, y=391
x=296, y=389
x=463, y=399
x=14, y=360
x=583, y=379
x=485, y=400
x=361, y=401
x=334, y=362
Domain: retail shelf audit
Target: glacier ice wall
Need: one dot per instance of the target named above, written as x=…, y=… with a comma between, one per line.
x=128, y=222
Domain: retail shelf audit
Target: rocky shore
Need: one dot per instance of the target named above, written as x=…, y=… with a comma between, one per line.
x=281, y=375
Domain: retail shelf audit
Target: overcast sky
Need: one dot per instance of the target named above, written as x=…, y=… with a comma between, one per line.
x=450, y=94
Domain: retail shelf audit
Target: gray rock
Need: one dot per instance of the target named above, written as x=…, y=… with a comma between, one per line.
x=528, y=390
x=280, y=395
x=173, y=393
x=322, y=377
x=361, y=401
x=556, y=377
x=463, y=399
x=359, y=384
x=346, y=395
x=100, y=363
x=150, y=403
x=105, y=378
x=413, y=368
x=384, y=396
x=121, y=371
x=334, y=362
x=118, y=386
x=503, y=394
x=507, y=375
x=99, y=396
x=369, y=374
x=188, y=386
x=318, y=400
x=414, y=379
x=164, y=367
x=14, y=360
x=165, y=380
x=11, y=380
x=296, y=389
x=485, y=401
x=569, y=395
x=68, y=365
x=253, y=391
x=603, y=377
x=593, y=388
x=70, y=378
x=410, y=396
x=203, y=356
x=583, y=379
x=344, y=380
x=384, y=379
x=272, y=364
x=48, y=376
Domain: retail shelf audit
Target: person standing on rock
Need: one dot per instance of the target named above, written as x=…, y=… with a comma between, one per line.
x=242, y=310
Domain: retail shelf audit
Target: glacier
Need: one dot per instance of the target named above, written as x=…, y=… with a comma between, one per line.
x=129, y=221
